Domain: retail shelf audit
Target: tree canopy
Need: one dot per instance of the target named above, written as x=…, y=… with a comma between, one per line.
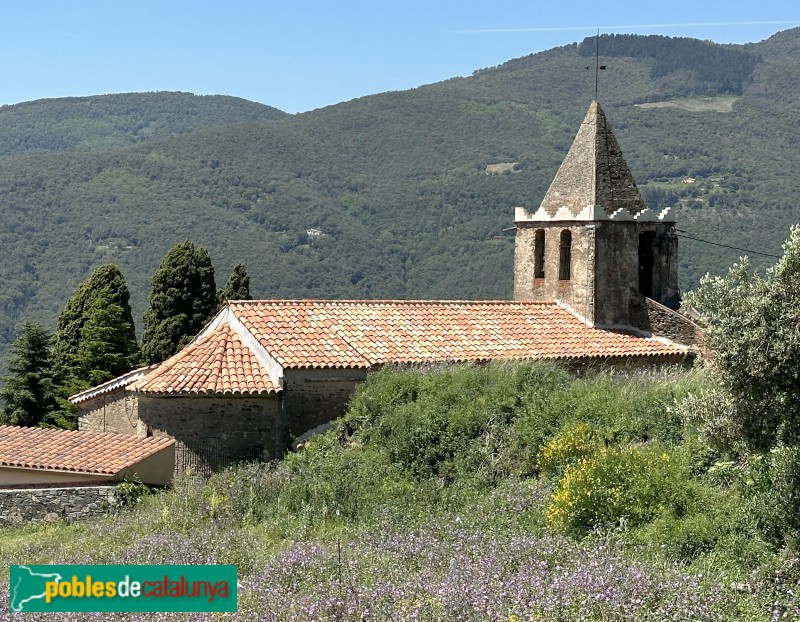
x=237, y=287
x=29, y=390
x=183, y=300
x=752, y=325
x=96, y=337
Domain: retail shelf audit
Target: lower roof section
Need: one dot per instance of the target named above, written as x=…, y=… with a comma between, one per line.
x=75, y=451
x=363, y=333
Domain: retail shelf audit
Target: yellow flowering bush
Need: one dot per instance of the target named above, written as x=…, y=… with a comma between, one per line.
x=614, y=484
x=567, y=447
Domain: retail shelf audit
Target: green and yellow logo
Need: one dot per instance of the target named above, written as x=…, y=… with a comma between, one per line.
x=123, y=588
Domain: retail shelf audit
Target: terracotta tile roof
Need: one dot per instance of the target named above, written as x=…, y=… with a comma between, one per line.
x=216, y=363
x=73, y=450
x=325, y=333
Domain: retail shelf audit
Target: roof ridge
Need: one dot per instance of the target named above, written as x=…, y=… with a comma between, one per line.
x=389, y=301
x=252, y=343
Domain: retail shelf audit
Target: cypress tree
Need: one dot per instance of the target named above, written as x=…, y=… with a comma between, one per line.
x=237, y=287
x=102, y=302
x=29, y=390
x=183, y=300
x=105, y=351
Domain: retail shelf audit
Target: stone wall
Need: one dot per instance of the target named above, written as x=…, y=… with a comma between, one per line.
x=650, y=316
x=116, y=411
x=215, y=430
x=42, y=505
x=604, y=267
x=577, y=292
x=316, y=396
x=617, y=269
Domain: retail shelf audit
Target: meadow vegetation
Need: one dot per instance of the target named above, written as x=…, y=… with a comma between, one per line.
x=512, y=492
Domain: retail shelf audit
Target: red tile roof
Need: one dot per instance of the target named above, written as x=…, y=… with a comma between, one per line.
x=73, y=450
x=325, y=333
x=364, y=334
x=216, y=363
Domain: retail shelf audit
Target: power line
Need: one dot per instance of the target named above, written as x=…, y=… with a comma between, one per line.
x=736, y=248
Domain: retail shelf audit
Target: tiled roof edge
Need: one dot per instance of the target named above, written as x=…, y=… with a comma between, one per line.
x=389, y=301
x=120, y=381
x=222, y=393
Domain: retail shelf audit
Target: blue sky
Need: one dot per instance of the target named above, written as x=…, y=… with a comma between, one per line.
x=297, y=56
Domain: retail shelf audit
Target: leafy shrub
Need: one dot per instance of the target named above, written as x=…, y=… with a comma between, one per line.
x=710, y=411
x=620, y=409
x=449, y=423
x=771, y=486
x=713, y=523
x=630, y=484
x=130, y=493
x=331, y=481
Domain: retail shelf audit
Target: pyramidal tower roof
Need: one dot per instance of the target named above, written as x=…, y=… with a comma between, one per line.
x=594, y=181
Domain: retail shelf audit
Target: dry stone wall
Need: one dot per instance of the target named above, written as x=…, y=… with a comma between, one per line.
x=43, y=505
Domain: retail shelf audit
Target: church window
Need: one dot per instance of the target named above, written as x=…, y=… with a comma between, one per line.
x=647, y=240
x=538, y=254
x=565, y=255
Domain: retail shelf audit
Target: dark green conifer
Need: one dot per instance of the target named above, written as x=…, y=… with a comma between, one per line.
x=105, y=351
x=29, y=390
x=237, y=287
x=102, y=302
x=183, y=300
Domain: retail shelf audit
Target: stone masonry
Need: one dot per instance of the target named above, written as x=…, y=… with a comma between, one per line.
x=116, y=412
x=215, y=429
x=316, y=396
x=44, y=505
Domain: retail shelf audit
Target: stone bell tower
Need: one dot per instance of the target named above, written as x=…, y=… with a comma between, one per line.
x=593, y=245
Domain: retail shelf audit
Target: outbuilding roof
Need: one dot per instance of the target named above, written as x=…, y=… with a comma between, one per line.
x=76, y=451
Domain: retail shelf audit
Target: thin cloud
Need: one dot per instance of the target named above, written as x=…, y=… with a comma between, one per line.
x=626, y=27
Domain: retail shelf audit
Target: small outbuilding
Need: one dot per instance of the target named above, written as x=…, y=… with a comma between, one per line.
x=48, y=457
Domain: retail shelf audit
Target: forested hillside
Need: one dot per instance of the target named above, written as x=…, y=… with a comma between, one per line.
x=109, y=121
x=397, y=195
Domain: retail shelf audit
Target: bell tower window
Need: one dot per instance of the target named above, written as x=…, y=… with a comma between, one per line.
x=538, y=254
x=646, y=260
x=565, y=255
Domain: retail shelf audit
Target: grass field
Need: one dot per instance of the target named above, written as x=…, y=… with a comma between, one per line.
x=456, y=495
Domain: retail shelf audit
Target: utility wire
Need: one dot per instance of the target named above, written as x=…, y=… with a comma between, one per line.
x=736, y=248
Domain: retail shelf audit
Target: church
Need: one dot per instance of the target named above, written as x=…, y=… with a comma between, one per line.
x=595, y=283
